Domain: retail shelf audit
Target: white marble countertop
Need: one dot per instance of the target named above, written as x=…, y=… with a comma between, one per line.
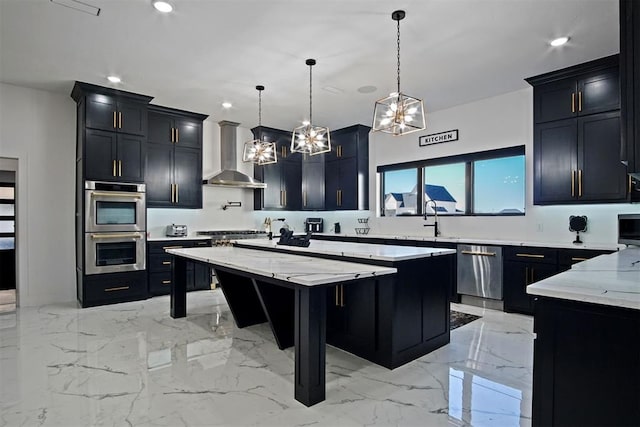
x=165, y=238
x=299, y=269
x=354, y=250
x=449, y=239
x=612, y=279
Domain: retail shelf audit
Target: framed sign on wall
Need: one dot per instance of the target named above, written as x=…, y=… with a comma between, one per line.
x=438, y=138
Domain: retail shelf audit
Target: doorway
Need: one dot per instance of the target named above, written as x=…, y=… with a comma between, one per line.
x=7, y=241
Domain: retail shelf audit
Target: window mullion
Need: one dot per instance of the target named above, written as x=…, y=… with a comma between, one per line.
x=469, y=188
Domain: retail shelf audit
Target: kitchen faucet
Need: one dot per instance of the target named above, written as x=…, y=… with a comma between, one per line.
x=268, y=221
x=436, y=233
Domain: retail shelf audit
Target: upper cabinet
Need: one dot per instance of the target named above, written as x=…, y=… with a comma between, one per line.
x=630, y=90
x=577, y=135
x=174, y=158
x=112, y=129
x=338, y=180
x=347, y=169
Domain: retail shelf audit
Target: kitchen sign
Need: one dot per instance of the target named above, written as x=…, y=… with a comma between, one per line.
x=438, y=138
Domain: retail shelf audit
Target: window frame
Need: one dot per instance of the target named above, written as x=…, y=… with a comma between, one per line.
x=468, y=159
x=9, y=202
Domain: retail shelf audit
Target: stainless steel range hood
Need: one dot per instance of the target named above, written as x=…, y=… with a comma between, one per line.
x=230, y=176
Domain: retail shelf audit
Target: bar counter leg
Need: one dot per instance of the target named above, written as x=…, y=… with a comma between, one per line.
x=310, y=340
x=179, y=288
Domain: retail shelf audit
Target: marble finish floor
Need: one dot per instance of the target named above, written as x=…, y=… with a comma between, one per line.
x=132, y=364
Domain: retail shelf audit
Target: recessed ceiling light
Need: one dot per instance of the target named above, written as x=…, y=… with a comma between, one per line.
x=114, y=79
x=367, y=89
x=559, y=41
x=226, y=105
x=163, y=6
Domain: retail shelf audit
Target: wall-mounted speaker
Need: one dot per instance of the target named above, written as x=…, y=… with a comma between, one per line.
x=578, y=223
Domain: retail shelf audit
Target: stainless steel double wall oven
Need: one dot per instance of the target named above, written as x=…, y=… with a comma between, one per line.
x=115, y=227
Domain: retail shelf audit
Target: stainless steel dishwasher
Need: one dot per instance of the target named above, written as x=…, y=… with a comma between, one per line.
x=480, y=271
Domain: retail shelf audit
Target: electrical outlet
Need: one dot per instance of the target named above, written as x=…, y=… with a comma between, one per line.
x=539, y=228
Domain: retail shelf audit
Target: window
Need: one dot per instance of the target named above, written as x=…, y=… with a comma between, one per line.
x=483, y=183
x=498, y=186
x=445, y=186
x=7, y=216
x=400, y=192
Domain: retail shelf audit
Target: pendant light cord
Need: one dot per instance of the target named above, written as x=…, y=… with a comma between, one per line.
x=398, y=56
x=310, y=95
x=259, y=108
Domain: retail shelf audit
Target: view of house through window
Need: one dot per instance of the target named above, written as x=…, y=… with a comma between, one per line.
x=483, y=183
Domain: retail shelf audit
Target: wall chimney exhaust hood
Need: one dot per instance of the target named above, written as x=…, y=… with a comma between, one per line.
x=229, y=176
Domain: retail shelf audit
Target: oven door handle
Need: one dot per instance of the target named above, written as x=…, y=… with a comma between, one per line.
x=116, y=236
x=115, y=194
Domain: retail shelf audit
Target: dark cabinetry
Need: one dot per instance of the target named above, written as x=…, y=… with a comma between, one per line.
x=159, y=267
x=313, y=179
x=283, y=179
x=347, y=169
x=576, y=135
x=351, y=312
x=112, y=288
x=523, y=266
x=111, y=156
x=174, y=158
x=586, y=364
x=115, y=113
x=630, y=91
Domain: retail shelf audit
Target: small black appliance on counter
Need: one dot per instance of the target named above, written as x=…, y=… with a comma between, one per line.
x=175, y=230
x=314, y=225
x=288, y=239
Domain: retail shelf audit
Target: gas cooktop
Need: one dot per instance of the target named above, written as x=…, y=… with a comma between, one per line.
x=233, y=234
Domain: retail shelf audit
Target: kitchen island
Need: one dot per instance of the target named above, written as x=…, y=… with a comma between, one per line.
x=390, y=325
x=262, y=287
x=586, y=368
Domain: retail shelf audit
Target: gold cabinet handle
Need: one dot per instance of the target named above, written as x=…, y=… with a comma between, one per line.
x=478, y=253
x=177, y=193
x=342, y=304
x=172, y=247
x=526, y=277
x=118, y=288
x=630, y=184
x=573, y=183
x=530, y=256
x=304, y=198
x=578, y=259
x=573, y=102
x=172, y=134
x=97, y=236
x=171, y=193
x=166, y=282
x=119, y=119
x=166, y=262
x=202, y=243
x=115, y=194
x=579, y=182
x=114, y=168
x=285, y=197
x=580, y=101
x=337, y=296
x=119, y=167
x=114, y=120
x=177, y=135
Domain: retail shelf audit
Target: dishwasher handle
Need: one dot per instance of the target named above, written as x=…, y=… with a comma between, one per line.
x=478, y=253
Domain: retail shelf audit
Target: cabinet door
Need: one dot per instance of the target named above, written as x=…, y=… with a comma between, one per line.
x=351, y=315
x=188, y=178
x=272, y=195
x=159, y=175
x=160, y=128
x=516, y=277
x=555, y=101
x=188, y=133
x=101, y=112
x=312, y=185
x=100, y=155
x=201, y=277
x=292, y=185
x=599, y=92
x=132, y=118
x=130, y=158
x=602, y=177
x=555, y=162
x=348, y=176
x=332, y=185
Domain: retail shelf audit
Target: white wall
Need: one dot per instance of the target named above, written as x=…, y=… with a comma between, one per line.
x=38, y=129
x=501, y=121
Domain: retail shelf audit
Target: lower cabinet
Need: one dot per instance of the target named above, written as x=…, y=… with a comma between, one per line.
x=586, y=364
x=159, y=267
x=351, y=313
x=112, y=288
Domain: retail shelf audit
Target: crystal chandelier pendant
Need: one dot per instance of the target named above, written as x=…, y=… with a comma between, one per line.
x=257, y=151
x=310, y=139
x=398, y=114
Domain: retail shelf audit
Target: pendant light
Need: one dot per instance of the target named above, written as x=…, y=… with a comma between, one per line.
x=258, y=151
x=310, y=139
x=398, y=114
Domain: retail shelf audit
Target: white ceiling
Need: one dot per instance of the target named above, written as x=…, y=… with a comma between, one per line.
x=210, y=51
